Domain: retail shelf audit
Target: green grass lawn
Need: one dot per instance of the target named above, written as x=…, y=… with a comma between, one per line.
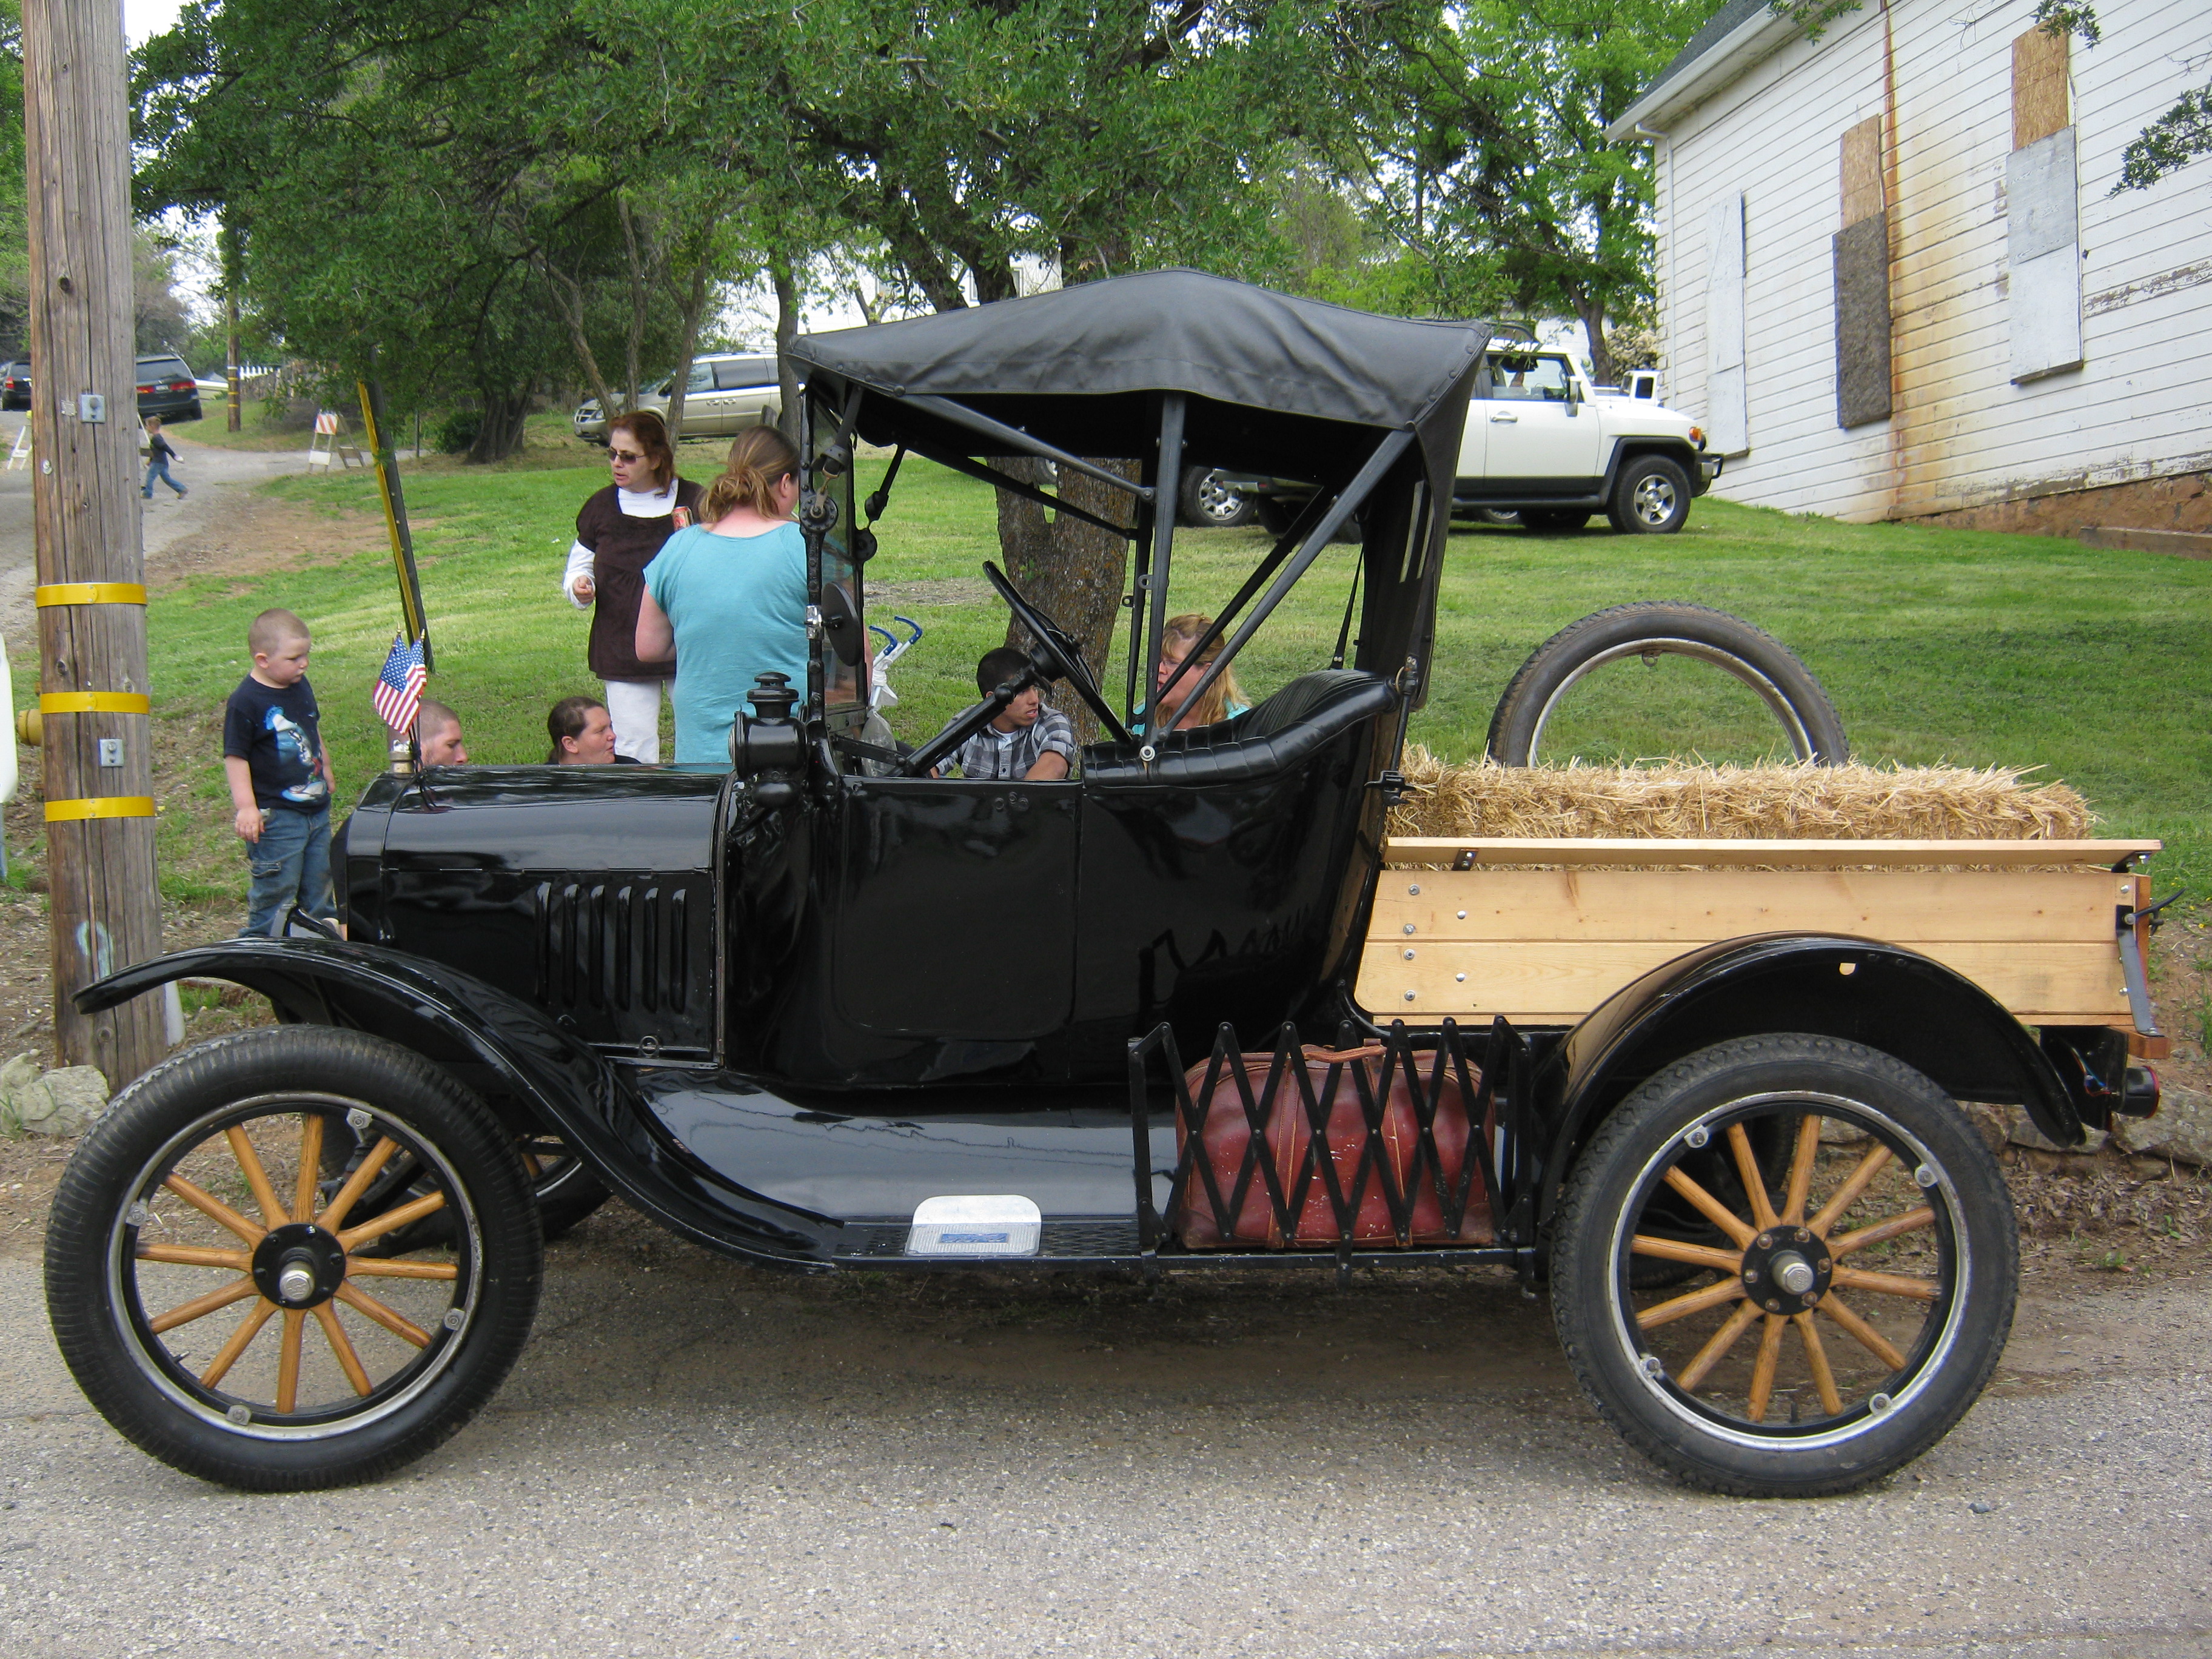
x=1935, y=645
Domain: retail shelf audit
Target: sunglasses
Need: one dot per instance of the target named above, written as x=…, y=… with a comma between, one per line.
x=620, y=455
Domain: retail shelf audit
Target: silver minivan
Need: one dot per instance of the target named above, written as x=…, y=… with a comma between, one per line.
x=726, y=392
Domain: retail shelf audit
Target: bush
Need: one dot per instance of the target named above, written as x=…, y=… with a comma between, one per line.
x=458, y=431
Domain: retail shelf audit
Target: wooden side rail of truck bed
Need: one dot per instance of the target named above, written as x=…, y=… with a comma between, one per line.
x=2035, y=923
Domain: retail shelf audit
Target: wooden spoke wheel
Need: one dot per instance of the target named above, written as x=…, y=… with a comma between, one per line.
x=1852, y=1256
x=221, y=1270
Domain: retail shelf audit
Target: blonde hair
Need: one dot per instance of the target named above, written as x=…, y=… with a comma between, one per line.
x=761, y=459
x=1188, y=630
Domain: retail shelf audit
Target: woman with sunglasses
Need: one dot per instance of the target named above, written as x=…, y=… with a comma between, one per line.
x=618, y=531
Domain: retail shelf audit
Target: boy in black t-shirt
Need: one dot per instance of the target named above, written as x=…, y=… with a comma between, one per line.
x=280, y=776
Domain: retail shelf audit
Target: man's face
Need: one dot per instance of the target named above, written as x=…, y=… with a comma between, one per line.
x=442, y=747
x=1022, y=711
x=286, y=666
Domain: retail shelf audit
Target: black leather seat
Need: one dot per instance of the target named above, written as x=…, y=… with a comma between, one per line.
x=1277, y=733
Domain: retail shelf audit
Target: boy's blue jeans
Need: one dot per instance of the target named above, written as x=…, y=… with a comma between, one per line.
x=158, y=468
x=291, y=863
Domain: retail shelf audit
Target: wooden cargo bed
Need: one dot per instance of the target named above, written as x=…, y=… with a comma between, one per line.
x=1545, y=941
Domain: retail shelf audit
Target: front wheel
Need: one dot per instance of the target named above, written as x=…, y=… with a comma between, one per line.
x=1857, y=1257
x=230, y=1295
x=1651, y=497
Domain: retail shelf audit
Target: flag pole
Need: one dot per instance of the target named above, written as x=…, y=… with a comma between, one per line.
x=395, y=517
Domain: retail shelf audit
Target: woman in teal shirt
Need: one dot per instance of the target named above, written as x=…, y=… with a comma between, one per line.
x=729, y=595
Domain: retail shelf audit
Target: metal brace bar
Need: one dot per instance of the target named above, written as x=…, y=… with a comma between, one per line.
x=960, y=415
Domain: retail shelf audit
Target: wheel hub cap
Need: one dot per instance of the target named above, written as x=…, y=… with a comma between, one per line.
x=298, y=1265
x=1787, y=1269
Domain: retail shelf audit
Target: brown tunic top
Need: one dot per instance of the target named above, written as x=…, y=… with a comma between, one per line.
x=622, y=547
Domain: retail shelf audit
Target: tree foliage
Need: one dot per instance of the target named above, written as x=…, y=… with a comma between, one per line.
x=1484, y=157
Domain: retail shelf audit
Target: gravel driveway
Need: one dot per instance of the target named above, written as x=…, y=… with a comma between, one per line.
x=696, y=1458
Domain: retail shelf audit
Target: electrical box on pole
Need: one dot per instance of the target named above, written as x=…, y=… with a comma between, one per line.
x=93, y=707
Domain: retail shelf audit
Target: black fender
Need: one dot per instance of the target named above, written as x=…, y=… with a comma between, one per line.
x=1626, y=449
x=510, y=1053
x=1884, y=996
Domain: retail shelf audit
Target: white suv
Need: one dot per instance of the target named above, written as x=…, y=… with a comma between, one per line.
x=726, y=393
x=1543, y=445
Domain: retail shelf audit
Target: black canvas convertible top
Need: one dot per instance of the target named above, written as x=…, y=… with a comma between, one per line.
x=1082, y=367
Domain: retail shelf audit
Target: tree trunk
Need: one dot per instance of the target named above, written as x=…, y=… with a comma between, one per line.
x=1592, y=312
x=568, y=299
x=499, y=434
x=1071, y=571
x=695, y=307
x=786, y=283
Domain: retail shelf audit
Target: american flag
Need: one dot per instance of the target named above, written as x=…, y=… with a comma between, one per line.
x=399, y=687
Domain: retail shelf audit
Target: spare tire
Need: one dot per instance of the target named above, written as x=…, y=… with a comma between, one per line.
x=1651, y=629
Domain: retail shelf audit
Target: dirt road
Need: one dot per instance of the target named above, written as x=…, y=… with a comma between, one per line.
x=696, y=1458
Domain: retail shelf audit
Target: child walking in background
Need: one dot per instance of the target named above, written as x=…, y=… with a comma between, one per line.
x=160, y=451
x=280, y=777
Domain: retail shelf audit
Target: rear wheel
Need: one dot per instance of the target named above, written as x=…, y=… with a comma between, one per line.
x=228, y=1300
x=1859, y=1295
x=1208, y=503
x=1553, y=518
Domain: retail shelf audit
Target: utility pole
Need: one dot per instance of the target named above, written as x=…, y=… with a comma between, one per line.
x=227, y=244
x=105, y=908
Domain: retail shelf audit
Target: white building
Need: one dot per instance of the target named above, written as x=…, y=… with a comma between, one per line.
x=1895, y=281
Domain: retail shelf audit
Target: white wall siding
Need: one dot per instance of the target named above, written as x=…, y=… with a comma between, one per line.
x=1963, y=434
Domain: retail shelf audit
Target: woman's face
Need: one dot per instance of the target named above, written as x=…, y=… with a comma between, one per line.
x=633, y=467
x=1173, y=652
x=592, y=746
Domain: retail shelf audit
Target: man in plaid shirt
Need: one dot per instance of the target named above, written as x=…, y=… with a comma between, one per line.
x=1028, y=740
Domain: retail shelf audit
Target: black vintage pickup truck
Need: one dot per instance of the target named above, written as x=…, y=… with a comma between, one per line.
x=1190, y=1009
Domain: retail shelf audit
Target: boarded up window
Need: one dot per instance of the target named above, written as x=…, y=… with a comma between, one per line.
x=1861, y=270
x=1726, y=405
x=2039, y=87
x=2043, y=243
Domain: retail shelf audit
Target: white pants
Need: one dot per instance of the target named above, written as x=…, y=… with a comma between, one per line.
x=634, y=706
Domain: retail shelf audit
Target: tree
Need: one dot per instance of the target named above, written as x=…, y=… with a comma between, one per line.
x=1485, y=157
x=14, y=224
x=969, y=138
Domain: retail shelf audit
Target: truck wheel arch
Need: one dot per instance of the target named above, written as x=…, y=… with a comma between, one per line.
x=1884, y=996
x=1625, y=450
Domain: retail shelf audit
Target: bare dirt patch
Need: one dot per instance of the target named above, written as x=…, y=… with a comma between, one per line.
x=258, y=534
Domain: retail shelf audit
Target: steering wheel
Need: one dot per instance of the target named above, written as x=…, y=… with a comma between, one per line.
x=1060, y=648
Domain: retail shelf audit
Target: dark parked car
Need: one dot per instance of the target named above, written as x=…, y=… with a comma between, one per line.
x=1190, y=1011
x=167, y=388
x=15, y=384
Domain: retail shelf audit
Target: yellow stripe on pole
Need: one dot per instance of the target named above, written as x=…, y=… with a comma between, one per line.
x=101, y=806
x=50, y=594
x=95, y=702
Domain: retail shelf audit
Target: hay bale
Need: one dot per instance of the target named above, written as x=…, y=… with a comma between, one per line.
x=1679, y=801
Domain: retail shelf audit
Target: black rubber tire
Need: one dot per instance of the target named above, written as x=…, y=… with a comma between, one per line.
x=1650, y=496
x=1276, y=517
x=1751, y=653
x=1553, y=519
x=1961, y=1337
x=1207, y=504
x=93, y=1305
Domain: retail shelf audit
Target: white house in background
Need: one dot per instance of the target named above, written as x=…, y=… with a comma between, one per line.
x=1895, y=283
